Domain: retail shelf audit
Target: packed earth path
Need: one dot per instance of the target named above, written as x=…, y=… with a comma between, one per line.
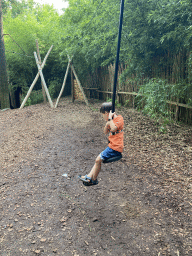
x=141, y=205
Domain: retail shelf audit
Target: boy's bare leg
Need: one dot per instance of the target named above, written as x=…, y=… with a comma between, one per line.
x=96, y=169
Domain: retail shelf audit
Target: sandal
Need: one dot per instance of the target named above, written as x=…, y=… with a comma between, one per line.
x=87, y=181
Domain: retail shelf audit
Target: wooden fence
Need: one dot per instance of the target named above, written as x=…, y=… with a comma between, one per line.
x=105, y=95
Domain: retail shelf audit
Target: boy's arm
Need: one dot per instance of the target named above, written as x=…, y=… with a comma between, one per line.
x=106, y=128
x=110, y=123
x=112, y=126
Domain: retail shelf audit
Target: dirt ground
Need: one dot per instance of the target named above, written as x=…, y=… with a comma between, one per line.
x=141, y=206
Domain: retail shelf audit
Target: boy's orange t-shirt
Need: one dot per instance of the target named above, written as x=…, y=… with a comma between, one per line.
x=116, y=141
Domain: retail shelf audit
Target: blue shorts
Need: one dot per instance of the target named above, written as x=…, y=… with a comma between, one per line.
x=109, y=153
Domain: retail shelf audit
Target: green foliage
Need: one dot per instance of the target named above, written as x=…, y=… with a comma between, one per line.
x=89, y=33
x=17, y=7
x=127, y=102
x=154, y=33
x=154, y=96
x=31, y=24
x=35, y=98
x=117, y=104
x=152, y=101
x=55, y=87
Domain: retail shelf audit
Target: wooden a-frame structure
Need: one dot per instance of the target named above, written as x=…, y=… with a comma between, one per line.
x=44, y=86
x=40, y=73
x=65, y=79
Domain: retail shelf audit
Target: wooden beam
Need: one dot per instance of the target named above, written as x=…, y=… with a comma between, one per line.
x=84, y=88
x=63, y=85
x=179, y=104
x=39, y=57
x=78, y=82
x=72, y=87
x=43, y=80
x=81, y=88
x=106, y=92
x=128, y=93
x=35, y=80
x=135, y=93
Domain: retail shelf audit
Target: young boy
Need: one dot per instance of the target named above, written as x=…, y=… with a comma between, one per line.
x=114, y=126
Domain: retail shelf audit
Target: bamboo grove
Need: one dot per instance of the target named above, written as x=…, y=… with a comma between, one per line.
x=155, y=57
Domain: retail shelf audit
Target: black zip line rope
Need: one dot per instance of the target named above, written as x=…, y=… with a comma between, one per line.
x=118, y=49
x=117, y=56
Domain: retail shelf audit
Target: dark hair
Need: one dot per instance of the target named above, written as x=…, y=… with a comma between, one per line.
x=106, y=107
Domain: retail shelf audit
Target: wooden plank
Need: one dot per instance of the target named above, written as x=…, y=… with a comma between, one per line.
x=43, y=80
x=35, y=80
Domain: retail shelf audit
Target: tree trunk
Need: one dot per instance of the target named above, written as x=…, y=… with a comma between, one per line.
x=4, y=86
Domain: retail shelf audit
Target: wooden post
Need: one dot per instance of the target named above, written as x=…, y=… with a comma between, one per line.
x=43, y=80
x=133, y=101
x=39, y=57
x=85, y=98
x=177, y=111
x=35, y=80
x=78, y=82
x=63, y=86
x=72, y=86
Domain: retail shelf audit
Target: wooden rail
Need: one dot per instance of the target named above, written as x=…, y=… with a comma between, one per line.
x=135, y=93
